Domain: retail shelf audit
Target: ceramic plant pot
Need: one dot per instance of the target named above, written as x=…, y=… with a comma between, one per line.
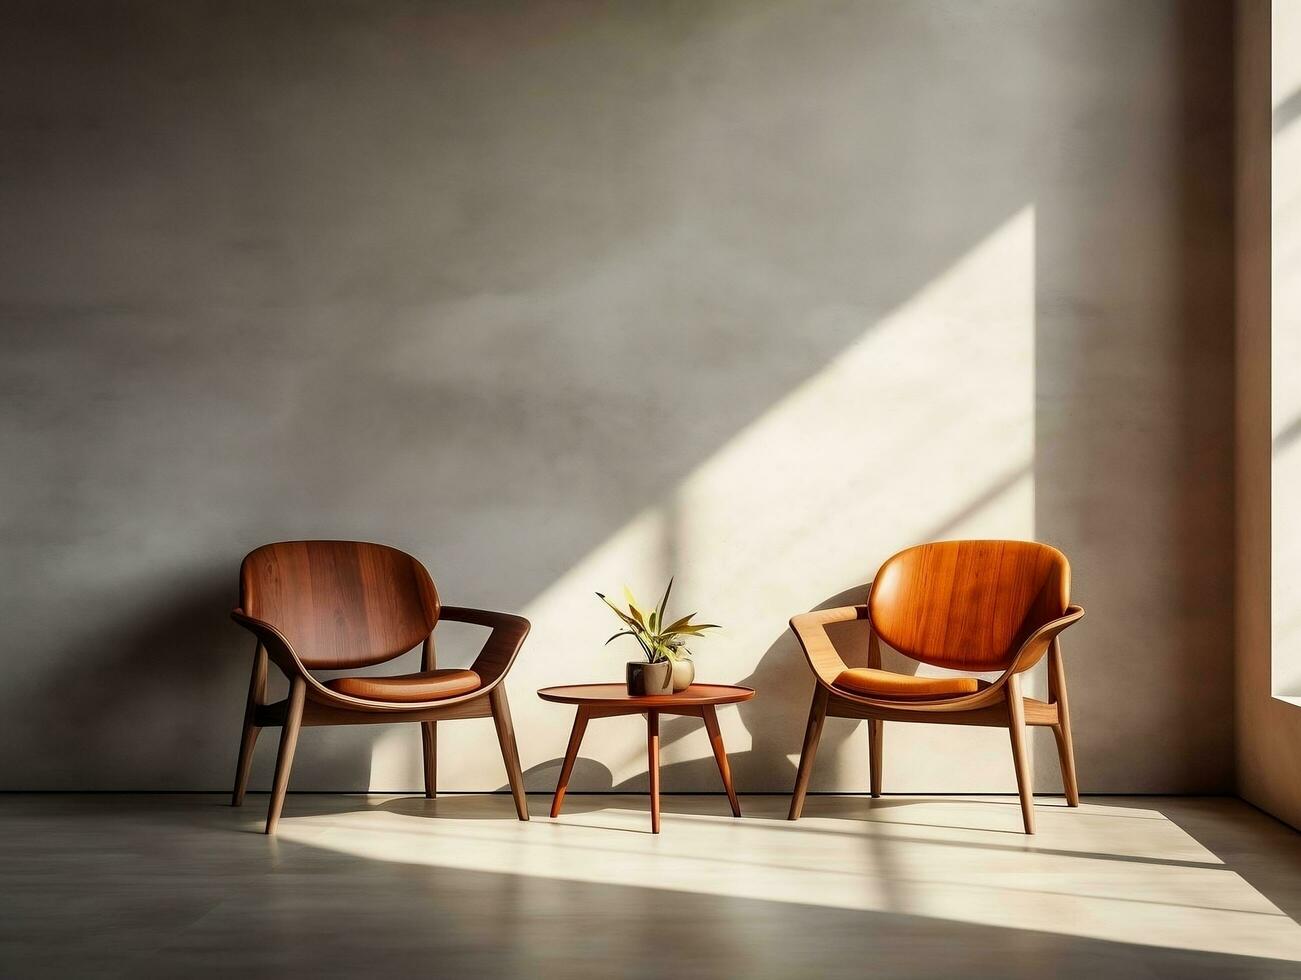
x=647, y=680
x=684, y=672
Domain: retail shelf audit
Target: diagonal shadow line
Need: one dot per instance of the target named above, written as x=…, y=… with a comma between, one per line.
x=996, y=489
x=1027, y=849
x=1287, y=435
x=1194, y=821
x=1040, y=804
x=1287, y=111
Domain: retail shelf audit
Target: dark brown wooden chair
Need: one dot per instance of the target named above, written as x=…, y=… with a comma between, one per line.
x=979, y=606
x=342, y=605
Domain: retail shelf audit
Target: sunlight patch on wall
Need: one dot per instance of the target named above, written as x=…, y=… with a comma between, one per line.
x=923, y=428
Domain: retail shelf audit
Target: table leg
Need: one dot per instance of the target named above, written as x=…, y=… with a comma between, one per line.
x=571, y=755
x=653, y=751
x=720, y=754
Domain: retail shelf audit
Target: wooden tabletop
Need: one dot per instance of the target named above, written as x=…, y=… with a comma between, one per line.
x=696, y=694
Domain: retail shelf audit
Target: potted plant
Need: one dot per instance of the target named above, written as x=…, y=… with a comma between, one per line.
x=667, y=667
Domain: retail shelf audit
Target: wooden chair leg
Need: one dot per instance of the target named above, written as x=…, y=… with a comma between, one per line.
x=247, y=742
x=1066, y=756
x=812, y=735
x=429, y=729
x=571, y=756
x=288, y=742
x=509, y=750
x=710, y=717
x=1020, y=751
x=653, y=765
x=1062, y=730
x=875, y=746
x=257, y=693
x=429, y=742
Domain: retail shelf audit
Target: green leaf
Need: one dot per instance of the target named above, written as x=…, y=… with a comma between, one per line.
x=633, y=608
x=664, y=603
x=684, y=621
x=617, y=635
x=621, y=614
x=698, y=628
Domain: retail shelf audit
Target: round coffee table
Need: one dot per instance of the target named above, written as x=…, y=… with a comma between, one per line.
x=607, y=700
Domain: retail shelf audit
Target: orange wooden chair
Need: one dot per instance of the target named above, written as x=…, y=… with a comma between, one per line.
x=341, y=605
x=979, y=606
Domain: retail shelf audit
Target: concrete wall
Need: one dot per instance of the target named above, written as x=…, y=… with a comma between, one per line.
x=558, y=296
x=1269, y=405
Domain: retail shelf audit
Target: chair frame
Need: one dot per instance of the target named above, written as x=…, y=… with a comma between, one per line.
x=310, y=703
x=999, y=705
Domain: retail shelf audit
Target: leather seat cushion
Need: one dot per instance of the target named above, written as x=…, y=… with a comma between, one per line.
x=888, y=684
x=428, y=685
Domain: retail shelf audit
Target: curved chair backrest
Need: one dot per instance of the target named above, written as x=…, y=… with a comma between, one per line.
x=968, y=605
x=341, y=604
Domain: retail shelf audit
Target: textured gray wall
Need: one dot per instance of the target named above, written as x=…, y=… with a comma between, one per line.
x=552, y=294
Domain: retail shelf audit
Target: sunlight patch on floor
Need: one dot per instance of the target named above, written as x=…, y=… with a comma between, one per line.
x=1118, y=873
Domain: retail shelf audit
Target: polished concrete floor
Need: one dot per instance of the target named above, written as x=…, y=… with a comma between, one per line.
x=167, y=886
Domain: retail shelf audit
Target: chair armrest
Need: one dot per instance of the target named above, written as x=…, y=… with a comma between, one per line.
x=503, y=643
x=278, y=648
x=810, y=629
x=1038, y=642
